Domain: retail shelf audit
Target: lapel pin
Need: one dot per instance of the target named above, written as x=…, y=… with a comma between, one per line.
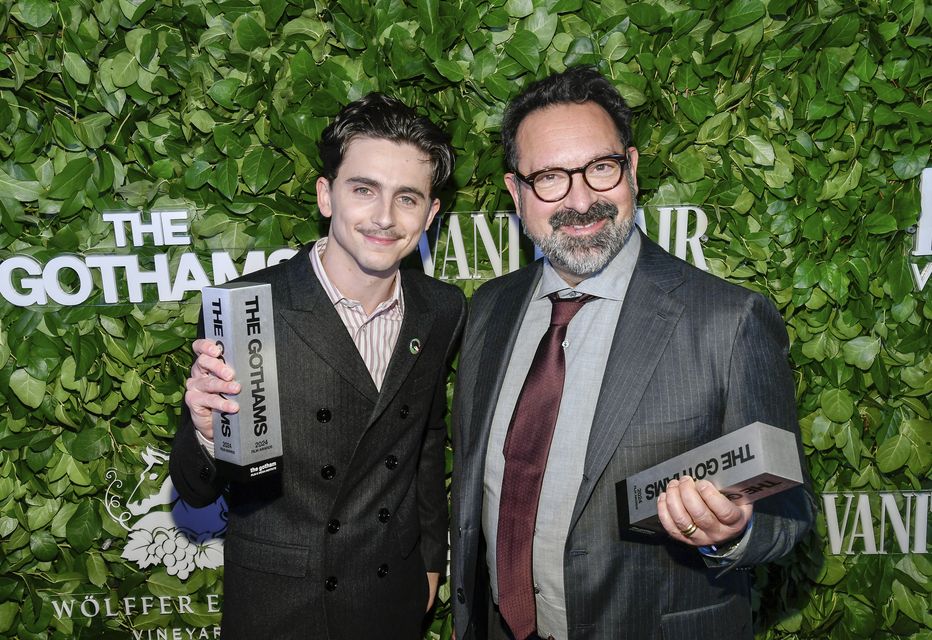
x=414, y=346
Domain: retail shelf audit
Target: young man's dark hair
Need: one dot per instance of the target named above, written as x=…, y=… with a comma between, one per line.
x=350, y=540
x=380, y=116
x=575, y=85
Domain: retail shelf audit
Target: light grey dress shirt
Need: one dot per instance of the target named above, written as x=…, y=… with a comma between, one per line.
x=588, y=342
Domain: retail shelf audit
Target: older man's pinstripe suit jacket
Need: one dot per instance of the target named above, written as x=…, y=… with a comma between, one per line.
x=693, y=357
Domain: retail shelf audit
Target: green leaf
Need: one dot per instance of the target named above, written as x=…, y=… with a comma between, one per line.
x=524, y=49
x=697, y=107
x=209, y=226
x=646, y=15
x=84, y=526
x=197, y=175
x=861, y=352
x=449, y=70
x=837, y=405
x=498, y=86
x=135, y=9
x=203, y=121
x=893, y=453
x=96, y=570
x=689, y=166
x=223, y=91
x=257, y=166
x=543, y=24
x=273, y=10
x=429, y=14
x=841, y=31
x=72, y=179
x=131, y=385
x=879, y=223
x=715, y=130
x=92, y=130
x=822, y=345
x=8, y=613
x=29, y=390
x=125, y=69
x=910, y=164
x=309, y=30
x=76, y=67
x=839, y=186
x=22, y=190
x=224, y=178
x=806, y=274
x=914, y=606
x=91, y=444
x=250, y=35
x=761, y=151
x=741, y=13
x=519, y=8
x=347, y=32
x=858, y=618
x=35, y=13
x=43, y=546
x=7, y=525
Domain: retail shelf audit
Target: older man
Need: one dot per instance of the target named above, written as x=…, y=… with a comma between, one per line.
x=606, y=358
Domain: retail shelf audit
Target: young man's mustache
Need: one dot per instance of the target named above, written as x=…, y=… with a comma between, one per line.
x=380, y=233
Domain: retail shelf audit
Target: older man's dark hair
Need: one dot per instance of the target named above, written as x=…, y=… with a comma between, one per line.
x=576, y=85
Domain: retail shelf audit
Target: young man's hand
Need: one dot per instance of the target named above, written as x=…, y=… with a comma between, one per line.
x=210, y=377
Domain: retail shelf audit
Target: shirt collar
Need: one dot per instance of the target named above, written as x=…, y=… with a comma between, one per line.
x=611, y=282
x=333, y=293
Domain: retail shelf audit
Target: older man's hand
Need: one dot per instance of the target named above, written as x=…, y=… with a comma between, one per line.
x=696, y=513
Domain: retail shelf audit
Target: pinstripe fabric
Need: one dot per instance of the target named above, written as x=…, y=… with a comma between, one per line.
x=692, y=357
x=360, y=504
x=374, y=334
x=589, y=339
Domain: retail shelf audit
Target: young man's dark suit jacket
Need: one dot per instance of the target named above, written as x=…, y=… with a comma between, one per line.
x=692, y=358
x=321, y=557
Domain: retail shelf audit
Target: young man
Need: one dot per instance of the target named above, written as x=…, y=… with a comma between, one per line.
x=350, y=541
x=658, y=358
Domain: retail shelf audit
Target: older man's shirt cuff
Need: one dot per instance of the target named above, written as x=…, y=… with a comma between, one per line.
x=725, y=554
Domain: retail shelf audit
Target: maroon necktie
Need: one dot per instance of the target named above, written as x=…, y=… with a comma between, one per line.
x=527, y=446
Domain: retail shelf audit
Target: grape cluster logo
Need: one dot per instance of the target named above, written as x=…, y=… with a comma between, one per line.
x=162, y=528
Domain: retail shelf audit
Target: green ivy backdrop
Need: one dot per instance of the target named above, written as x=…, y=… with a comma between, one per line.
x=800, y=127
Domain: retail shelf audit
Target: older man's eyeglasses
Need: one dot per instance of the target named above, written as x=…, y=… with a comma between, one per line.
x=601, y=174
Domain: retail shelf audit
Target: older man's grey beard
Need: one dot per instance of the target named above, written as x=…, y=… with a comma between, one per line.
x=584, y=255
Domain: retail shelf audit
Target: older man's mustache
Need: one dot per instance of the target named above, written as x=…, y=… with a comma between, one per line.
x=571, y=217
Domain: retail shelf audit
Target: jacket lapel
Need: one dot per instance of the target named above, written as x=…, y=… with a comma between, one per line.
x=648, y=317
x=314, y=320
x=415, y=326
x=501, y=332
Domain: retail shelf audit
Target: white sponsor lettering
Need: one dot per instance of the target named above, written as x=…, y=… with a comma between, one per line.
x=877, y=523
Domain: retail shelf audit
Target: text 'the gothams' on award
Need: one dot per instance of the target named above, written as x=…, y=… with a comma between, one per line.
x=745, y=465
x=238, y=316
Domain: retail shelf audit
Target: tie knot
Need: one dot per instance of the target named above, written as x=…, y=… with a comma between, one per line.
x=565, y=308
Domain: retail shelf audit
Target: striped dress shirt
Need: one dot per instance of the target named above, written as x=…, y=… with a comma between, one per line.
x=374, y=334
x=588, y=343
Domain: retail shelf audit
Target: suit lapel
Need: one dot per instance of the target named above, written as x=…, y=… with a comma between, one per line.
x=416, y=325
x=315, y=321
x=500, y=330
x=648, y=317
